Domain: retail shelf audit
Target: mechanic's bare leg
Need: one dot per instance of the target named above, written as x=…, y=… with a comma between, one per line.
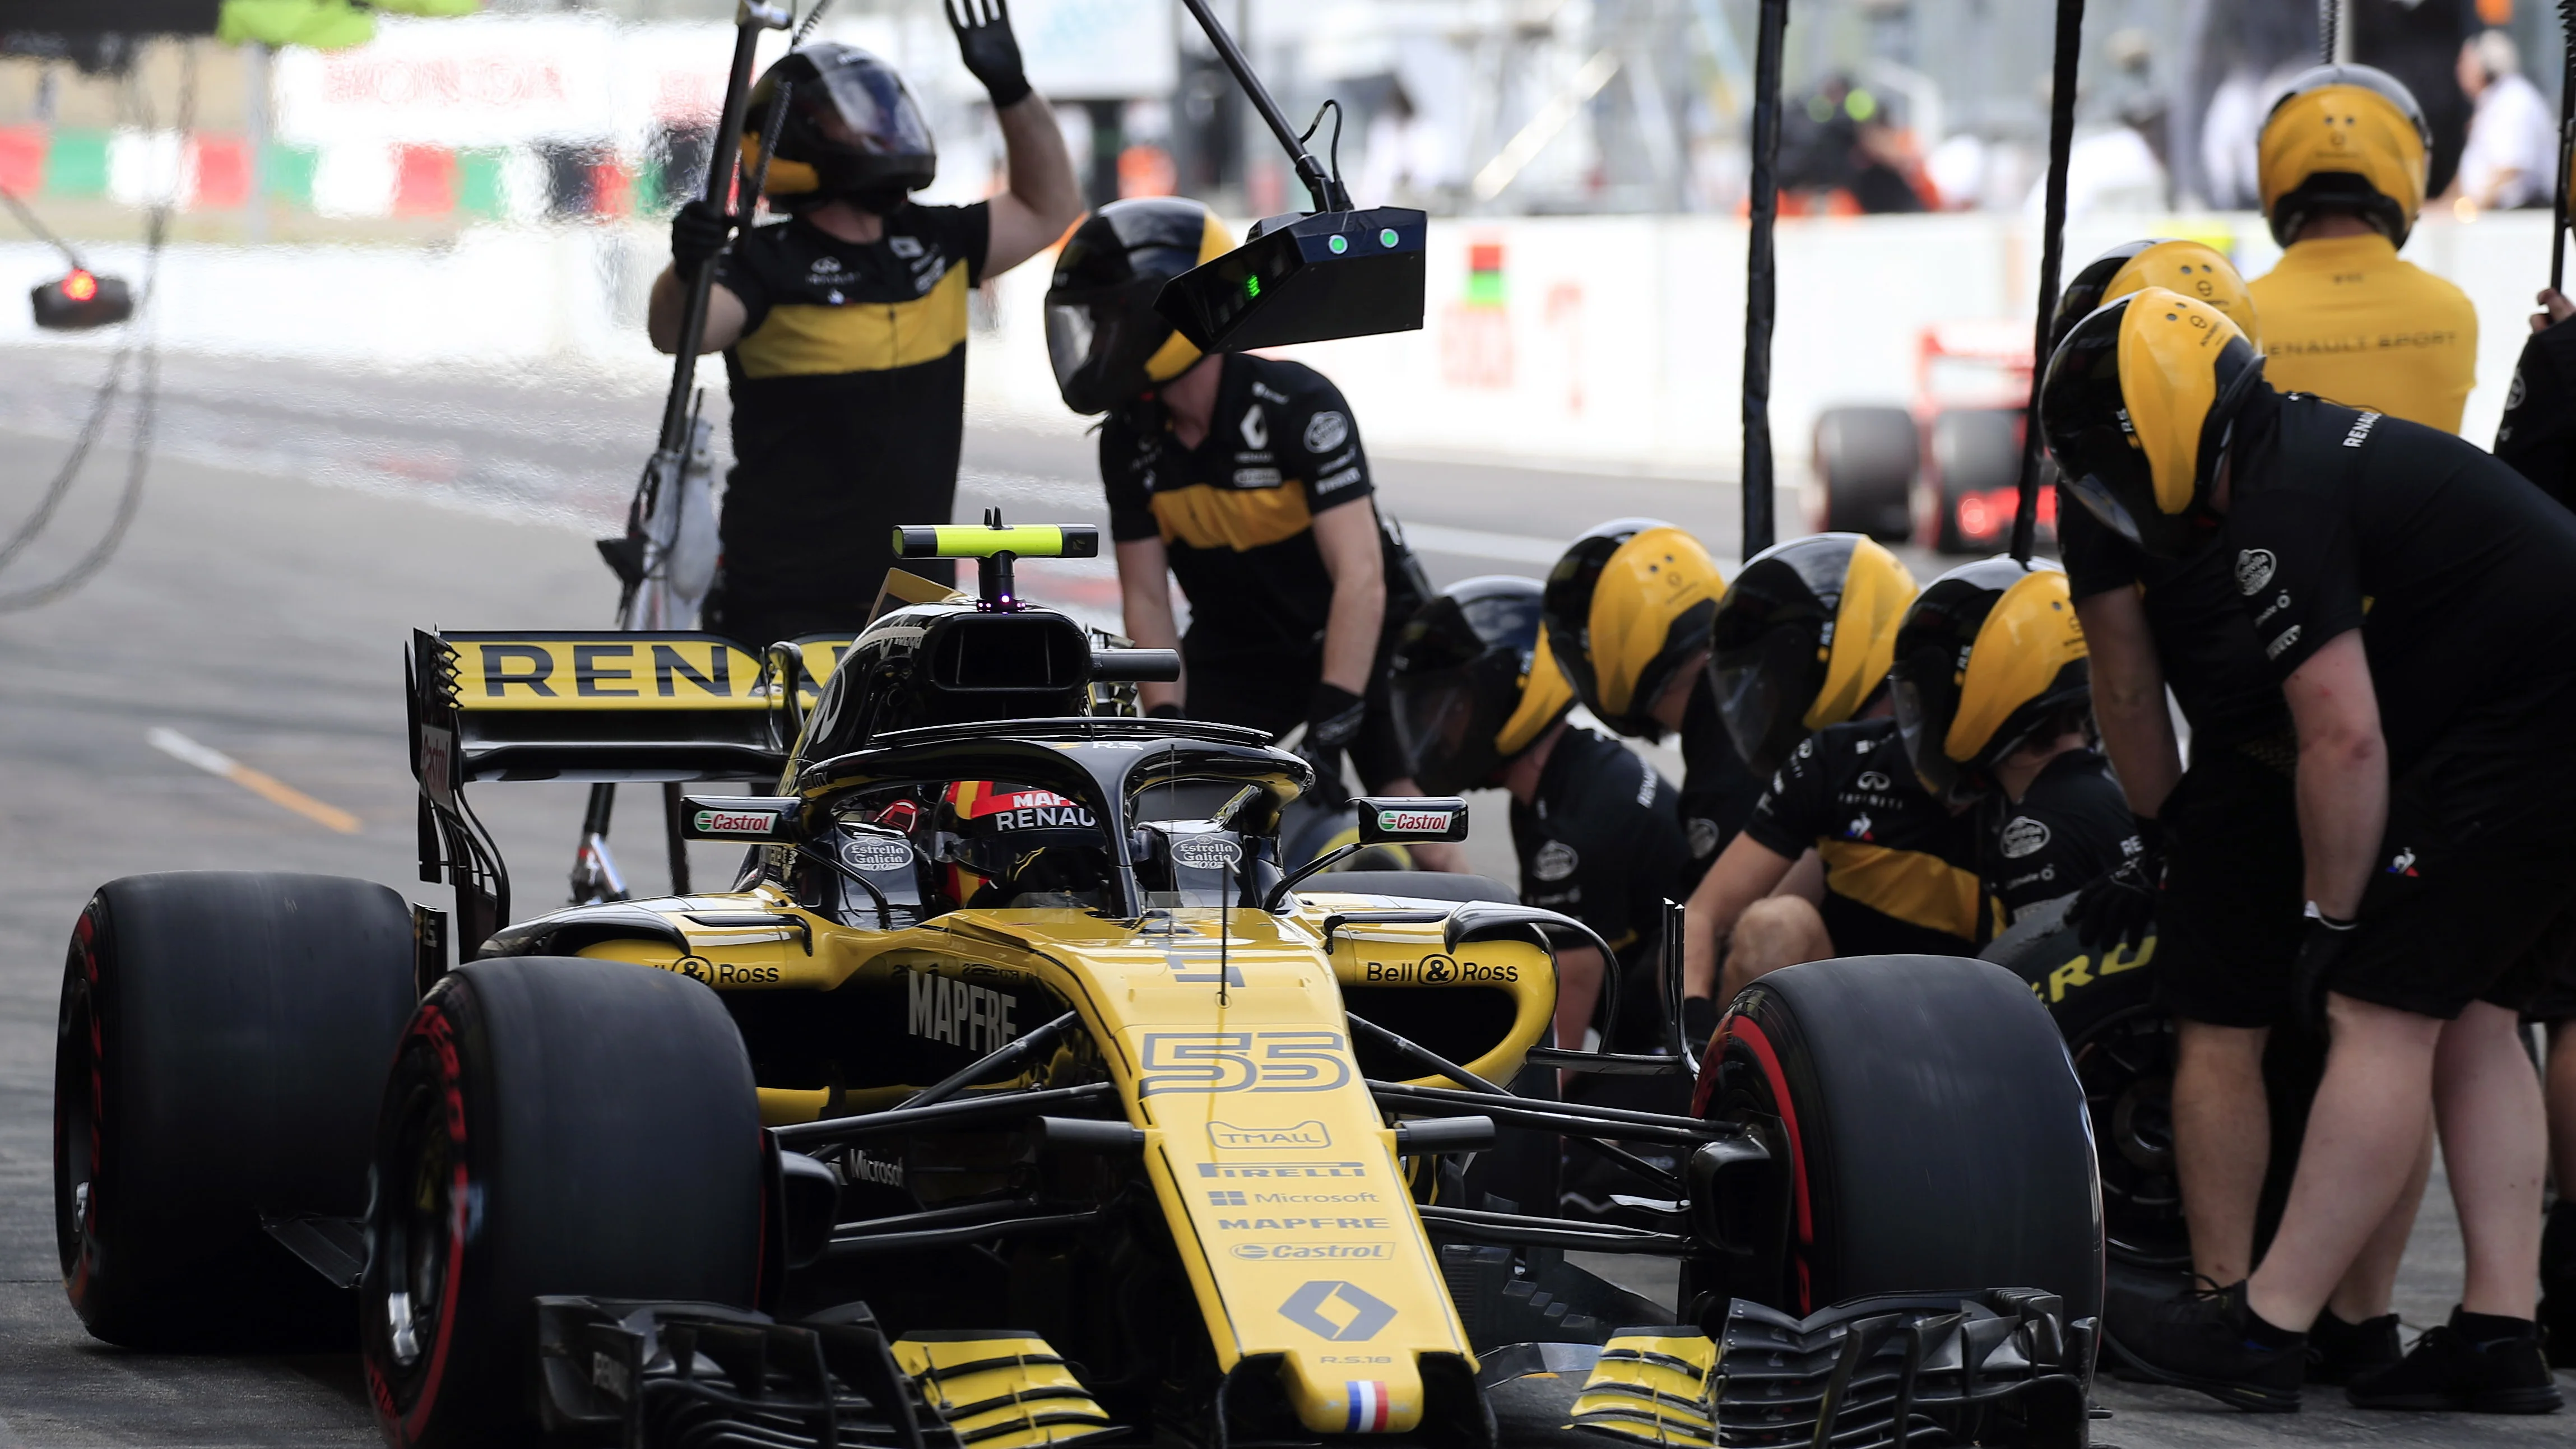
x=2367, y=1289
x=1578, y=992
x=2222, y=1142
x=2495, y=1143
x=1773, y=932
x=2378, y=1076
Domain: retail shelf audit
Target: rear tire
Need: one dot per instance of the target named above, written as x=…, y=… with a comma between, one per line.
x=1926, y=1130
x=1974, y=450
x=1865, y=458
x=552, y=1125
x=222, y=1037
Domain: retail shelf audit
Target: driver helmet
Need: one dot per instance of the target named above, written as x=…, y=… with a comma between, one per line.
x=1803, y=639
x=988, y=831
x=1473, y=683
x=852, y=131
x=1988, y=659
x=2188, y=267
x=2346, y=138
x=1626, y=610
x=2137, y=406
x=1104, y=337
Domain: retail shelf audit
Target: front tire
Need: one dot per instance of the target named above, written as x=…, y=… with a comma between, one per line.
x=1927, y=1135
x=222, y=1037
x=552, y=1125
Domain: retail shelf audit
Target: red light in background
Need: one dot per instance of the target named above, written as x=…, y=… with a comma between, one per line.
x=1974, y=520
x=80, y=286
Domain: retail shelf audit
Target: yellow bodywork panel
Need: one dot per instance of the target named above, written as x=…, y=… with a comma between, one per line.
x=1653, y=1388
x=1274, y=1165
x=1000, y=1390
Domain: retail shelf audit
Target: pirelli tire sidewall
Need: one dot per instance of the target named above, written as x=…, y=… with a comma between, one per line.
x=1933, y=1132
x=221, y=1040
x=552, y=1125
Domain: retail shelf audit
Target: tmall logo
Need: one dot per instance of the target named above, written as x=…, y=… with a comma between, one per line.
x=1341, y=1312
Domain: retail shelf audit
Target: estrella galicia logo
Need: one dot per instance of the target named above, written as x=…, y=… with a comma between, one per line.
x=1556, y=860
x=1326, y=431
x=2024, y=836
x=1361, y=1316
x=2254, y=568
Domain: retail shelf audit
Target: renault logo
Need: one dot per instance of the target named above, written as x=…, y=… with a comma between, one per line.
x=1363, y=1315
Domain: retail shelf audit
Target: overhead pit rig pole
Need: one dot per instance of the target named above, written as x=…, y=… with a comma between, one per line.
x=2052, y=256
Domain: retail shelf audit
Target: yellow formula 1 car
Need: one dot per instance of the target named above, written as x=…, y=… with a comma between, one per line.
x=1016, y=1094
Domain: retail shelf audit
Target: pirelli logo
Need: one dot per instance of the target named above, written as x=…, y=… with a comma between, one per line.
x=620, y=671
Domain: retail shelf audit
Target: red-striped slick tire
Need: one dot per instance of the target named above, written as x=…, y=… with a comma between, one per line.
x=551, y=1125
x=1927, y=1134
x=221, y=1041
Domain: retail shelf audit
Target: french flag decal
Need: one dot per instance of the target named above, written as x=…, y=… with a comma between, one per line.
x=1368, y=1406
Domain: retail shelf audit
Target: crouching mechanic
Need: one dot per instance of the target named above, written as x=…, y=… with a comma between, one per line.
x=1479, y=703
x=1628, y=612
x=1242, y=477
x=2432, y=796
x=1993, y=693
x=844, y=329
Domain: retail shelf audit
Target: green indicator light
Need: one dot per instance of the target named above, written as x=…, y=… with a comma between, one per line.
x=1338, y=245
x=1386, y=238
x=1252, y=286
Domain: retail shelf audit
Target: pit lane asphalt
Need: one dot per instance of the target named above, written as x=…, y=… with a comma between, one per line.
x=262, y=613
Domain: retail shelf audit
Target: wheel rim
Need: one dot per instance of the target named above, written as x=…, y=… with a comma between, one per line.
x=418, y=1221
x=76, y=1126
x=2125, y=1064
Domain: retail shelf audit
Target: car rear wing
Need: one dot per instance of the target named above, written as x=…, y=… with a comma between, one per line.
x=588, y=706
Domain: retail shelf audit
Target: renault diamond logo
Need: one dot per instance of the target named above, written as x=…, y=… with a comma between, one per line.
x=1365, y=1314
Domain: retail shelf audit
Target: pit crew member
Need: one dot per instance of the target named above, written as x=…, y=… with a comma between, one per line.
x=844, y=329
x=2431, y=798
x=1243, y=478
x=1479, y=703
x=1628, y=611
x=2341, y=166
x=1993, y=699
x=2218, y=879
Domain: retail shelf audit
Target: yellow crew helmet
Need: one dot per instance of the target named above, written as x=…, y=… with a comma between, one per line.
x=2137, y=406
x=1803, y=639
x=1472, y=682
x=2348, y=138
x=1626, y=611
x=1104, y=337
x=2192, y=268
x=1989, y=658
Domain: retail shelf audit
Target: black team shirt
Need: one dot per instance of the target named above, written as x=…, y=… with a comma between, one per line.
x=2204, y=643
x=1900, y=868
x=849, y=398
x=2070, y=826
x=1600, y=842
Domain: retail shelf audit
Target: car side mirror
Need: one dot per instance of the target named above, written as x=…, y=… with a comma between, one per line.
x=757, y=819
x=1408, y=819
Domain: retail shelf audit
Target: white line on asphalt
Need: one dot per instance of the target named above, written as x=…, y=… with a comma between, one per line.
x=268, y=787
x=1478, y=543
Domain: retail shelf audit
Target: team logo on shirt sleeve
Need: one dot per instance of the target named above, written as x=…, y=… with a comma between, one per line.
x=1556, y=860
x=2254, y=569
x=1703, y=834
x=1256, y=427
x=2024, y=836
x=1326, y=431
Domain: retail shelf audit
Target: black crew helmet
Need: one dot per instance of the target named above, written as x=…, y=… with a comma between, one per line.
x=853, y=131
x=2137, y=406
x=1104, y=337
x=1472, y=682
x=1988, y=659
x=1802, y=639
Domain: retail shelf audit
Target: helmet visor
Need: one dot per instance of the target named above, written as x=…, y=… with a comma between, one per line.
x=1760, y=697
x=1436, y=728
x=1926, y=701
x=866, y=108
x=1069, y=333
x=2099, y=499
x=1099, y=340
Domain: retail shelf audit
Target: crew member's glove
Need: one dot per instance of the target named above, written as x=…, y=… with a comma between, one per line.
x=1333, y=719
x=698, y=233
x=991, y=52
x=2324, y=945
x=2120, y=908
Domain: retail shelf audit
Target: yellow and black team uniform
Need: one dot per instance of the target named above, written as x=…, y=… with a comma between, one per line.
x=2227, y=920
x=2348, y=319
x=1236, y=517
x=849, y=404
x=2538, y=434
x=1600, y=841
x=2070, y=827
x=1901, y=873
x=1719, y=790
x=2467, y=574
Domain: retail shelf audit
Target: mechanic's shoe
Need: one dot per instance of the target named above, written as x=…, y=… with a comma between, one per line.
x=2209, y=1340
x=2466, y=1365
x=2558, y=1284
x=2558, y=1331
x=2339, y=1352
